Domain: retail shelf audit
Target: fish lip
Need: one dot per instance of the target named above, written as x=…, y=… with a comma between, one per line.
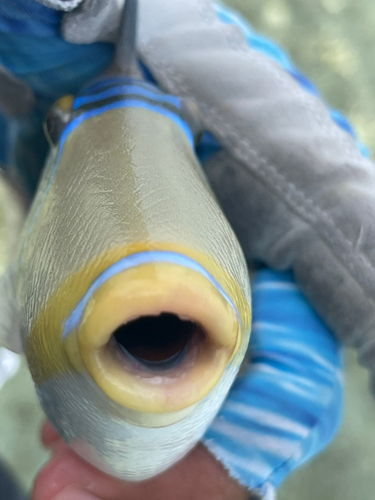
x=199, y=302
x=135, y=260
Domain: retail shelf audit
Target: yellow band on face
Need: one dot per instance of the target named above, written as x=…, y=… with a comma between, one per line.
x=49, y=355
x=149, y=290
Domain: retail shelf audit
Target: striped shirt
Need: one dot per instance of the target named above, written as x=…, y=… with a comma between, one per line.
x=287, y=405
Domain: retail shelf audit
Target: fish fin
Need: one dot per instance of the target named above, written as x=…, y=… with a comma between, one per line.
x=10, y=336
x=125, y=60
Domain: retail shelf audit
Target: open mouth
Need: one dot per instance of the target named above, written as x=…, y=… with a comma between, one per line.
x=157, y=342
x=156, y=338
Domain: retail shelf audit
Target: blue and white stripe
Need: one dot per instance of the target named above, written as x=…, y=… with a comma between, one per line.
x=287, y=406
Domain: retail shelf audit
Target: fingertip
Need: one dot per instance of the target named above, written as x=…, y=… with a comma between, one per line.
x=55, y=475
x=66, y=468
x=72, y=493
x=48, y=435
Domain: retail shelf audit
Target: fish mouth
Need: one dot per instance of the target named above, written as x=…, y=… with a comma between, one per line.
x=156, y=343
x=157, y=338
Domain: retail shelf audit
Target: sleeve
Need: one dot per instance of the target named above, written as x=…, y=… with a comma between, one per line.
x=286, y=406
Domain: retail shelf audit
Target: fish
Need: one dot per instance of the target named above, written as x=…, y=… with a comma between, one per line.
x=129, y=290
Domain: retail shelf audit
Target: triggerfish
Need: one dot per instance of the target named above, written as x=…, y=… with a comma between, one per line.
x=130, y=289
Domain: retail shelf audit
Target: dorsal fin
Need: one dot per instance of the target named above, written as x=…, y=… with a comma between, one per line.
x=125, y=60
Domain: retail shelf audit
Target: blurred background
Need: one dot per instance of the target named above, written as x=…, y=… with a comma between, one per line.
x=333, y=43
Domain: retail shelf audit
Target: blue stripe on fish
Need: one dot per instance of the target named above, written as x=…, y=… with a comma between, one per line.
x=127, y=103
x=132, y=103
x=124, y=90
x=119, y=80
x=134, y=260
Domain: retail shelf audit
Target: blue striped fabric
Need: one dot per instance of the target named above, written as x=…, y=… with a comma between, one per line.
x=287, y=404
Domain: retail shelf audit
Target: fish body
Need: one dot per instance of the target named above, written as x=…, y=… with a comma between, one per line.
x=132, y=291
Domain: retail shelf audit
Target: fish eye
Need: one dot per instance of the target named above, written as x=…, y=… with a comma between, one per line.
x=56, y=119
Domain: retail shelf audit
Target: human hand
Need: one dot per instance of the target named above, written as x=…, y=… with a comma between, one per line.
x=199, y=476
